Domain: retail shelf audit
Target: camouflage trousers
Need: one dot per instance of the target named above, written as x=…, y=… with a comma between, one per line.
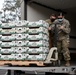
x=63, y=49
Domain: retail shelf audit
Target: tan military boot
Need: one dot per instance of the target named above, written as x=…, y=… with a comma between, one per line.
x=67, y=63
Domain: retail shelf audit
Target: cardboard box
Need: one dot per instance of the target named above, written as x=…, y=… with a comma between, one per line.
x=14, y=57
x=20, y=43
x=21, y=36
x=6, y=50
x=20, y=30
x=7, y=44
x=41, y=43
x=38, y=30
x=14, y=43
x=33, y=24
x=8, y=25
x=8, y=31
x=37, y=57
x=7, y=37
x=21, y=56
x=7, y=57
x=22, y=23
x=20, y=49
x=13, y=37
x=39, y=23
x=40, y=36
x=45, y=24
x=38, y=50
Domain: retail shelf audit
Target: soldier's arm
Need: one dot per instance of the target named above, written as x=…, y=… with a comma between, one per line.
x=48, y=21
x=52, y=27
x=53, y=24
x=67, y=28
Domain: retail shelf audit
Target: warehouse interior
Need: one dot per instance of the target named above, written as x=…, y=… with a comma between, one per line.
x=34, y=10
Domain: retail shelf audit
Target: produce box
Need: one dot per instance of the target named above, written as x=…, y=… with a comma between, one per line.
x=20, y=43
x=6, y=50
x=41, y=43
x=8, y=31
x=39, y=36
x=42, y=50
x=20, y=30
x=39, y=23
x=22, y=23
x=38, y=30
x=19, y=50
x=8, y=44
x=21, y=56
x=37, y=57
x=8, y=25
x=20, y=36
x=7, y=37
x=7, y=57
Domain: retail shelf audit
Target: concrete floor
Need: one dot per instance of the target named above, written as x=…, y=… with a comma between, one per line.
x=4, y=72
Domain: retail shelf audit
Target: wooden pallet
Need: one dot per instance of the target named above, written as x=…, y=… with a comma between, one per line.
x=22, y=63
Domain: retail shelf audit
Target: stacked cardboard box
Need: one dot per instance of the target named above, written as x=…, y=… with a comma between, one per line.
x=12, y=40
x=38, y=38
x=42, y=50
x=23, y=40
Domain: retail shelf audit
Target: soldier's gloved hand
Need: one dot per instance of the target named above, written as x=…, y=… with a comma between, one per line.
x=49, y=28
x=61, y=27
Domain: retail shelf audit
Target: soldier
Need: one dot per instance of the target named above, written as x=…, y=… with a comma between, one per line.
x=63, y=38
x=52, y=19
x=63, y=27
x=51, y=42
x=50, y=22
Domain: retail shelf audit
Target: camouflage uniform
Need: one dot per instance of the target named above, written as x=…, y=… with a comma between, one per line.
x=63, y=38
x=50, y=34
x=49, y=22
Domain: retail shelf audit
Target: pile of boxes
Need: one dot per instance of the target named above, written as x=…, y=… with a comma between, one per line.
x=23, y=40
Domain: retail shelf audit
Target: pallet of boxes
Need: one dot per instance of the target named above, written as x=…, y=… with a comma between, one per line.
x=24, y=43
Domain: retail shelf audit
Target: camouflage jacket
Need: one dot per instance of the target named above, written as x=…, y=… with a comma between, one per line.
x=64, y=33
x=49, y=22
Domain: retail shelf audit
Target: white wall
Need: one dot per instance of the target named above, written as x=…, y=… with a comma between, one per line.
x=36, y=12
